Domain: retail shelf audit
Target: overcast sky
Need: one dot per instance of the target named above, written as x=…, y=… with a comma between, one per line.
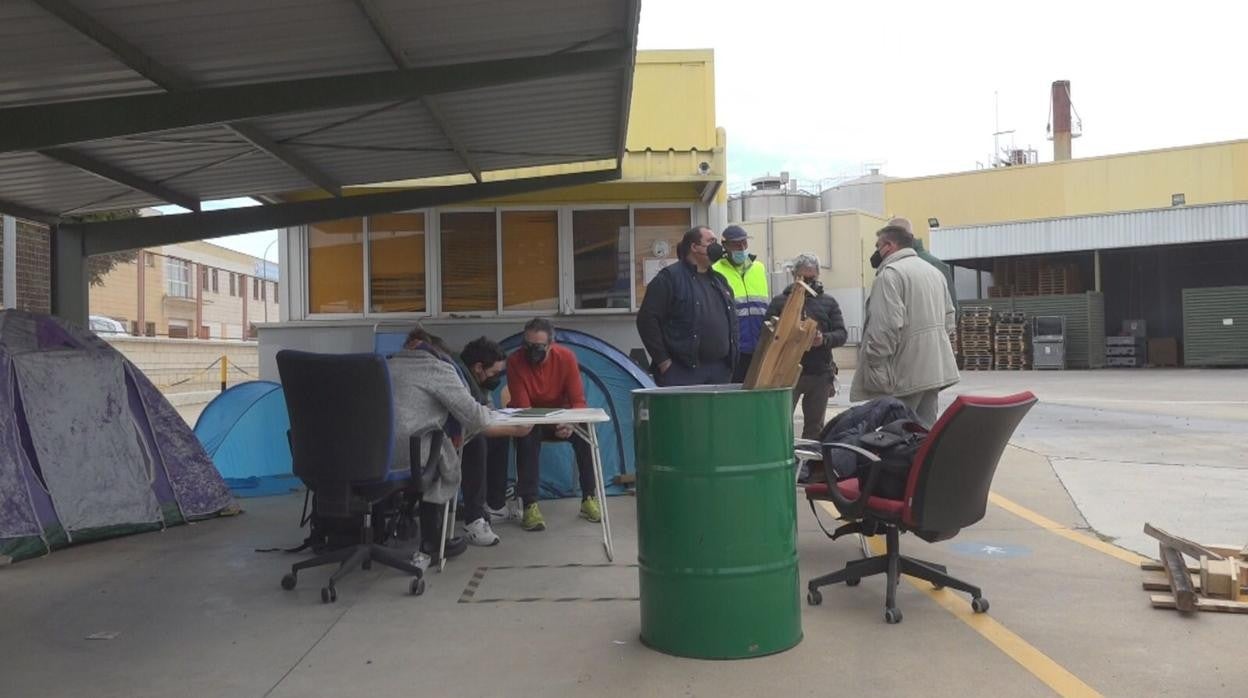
x=822, y=88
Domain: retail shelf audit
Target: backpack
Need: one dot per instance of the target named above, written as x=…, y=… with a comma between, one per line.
x=896, y=443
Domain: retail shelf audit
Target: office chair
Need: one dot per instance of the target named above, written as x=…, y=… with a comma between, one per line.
x=341, y=441
x=946, y=490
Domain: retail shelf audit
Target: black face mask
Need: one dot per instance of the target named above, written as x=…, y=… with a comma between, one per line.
x=535, y=353
x=492, y=382
x=876, y=260
x=714, y=252
x=815, y=285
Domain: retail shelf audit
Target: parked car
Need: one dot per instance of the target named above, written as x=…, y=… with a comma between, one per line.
x=105, y=325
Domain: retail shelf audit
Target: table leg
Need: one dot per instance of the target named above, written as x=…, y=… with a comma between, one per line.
x=591, y=435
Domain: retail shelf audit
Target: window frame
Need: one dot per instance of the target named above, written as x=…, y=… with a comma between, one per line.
x=185, y=268
x=566, y=305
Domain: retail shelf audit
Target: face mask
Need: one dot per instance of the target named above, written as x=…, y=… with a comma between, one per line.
x=714, y=252
x=876, y=260
x=535, y=353
x=492, y=382
x=738, y=257
x=815, y=285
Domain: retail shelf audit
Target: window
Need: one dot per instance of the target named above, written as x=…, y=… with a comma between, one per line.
x=150, y=329
x=656, y=232
x=203, y=277
x=469, y=262
x=396, y=282
x=274, y=291
x=600, y=259
x=530, y=260
x=179, y=329
x=214, y=281
x=336, y=266
x=255, y=288
x=177, y=278
x=264, y=291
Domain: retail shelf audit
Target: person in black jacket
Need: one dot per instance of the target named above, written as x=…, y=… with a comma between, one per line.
x=815, y=385
x=687, y=320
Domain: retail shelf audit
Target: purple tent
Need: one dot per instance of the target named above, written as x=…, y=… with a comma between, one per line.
x=89, y=448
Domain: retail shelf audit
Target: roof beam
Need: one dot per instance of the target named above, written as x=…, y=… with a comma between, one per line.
x=382, y=29
x=144, y=65
x=116, y=175
x=27, y=213
x=135, y=233
x=40, y=126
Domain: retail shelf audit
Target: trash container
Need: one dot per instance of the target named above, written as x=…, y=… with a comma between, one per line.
x=717, y=521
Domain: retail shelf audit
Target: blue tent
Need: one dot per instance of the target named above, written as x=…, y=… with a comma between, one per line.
x=243, y=430
x=609, y=377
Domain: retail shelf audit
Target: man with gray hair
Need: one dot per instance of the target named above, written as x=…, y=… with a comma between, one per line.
x=815, y=385
x=905, y=349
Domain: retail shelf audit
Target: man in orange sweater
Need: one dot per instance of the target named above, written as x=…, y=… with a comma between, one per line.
x=543, y=374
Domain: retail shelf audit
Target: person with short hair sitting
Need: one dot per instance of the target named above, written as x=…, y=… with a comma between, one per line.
x=482, y=362
x=544, y=374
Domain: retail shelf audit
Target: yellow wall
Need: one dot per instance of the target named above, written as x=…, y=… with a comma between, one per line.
x=1210, y=173
x=673, y=103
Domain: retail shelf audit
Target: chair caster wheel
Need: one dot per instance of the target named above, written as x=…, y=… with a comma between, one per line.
x=979, y=605
x=814, y=597
x=852, y=582
x=289, y=581
x=417, y=587
x=938, y=587
x=329, y=595
x=892, y=616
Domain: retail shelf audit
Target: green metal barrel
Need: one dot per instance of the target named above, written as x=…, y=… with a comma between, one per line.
x=717, y=521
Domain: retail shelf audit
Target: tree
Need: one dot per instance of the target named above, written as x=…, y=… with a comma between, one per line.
x=98, y=266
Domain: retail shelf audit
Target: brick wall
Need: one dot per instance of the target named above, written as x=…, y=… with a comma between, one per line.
x=34, y=268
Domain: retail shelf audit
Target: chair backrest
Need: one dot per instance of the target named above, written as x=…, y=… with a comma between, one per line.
x=341, y=417
x=952, y=472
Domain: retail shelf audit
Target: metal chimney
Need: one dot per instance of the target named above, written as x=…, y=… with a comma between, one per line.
x=1061, y=120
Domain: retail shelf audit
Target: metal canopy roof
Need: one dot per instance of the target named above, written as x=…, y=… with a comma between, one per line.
x=1102, y=231
x=110, y=104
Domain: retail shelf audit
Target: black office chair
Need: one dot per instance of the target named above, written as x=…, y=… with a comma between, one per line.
x=341, y=443
x=947, y=485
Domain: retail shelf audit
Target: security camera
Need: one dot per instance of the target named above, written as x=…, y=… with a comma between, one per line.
x=704, y=167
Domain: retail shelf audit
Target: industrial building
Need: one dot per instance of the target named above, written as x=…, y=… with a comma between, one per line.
x=1157, y=239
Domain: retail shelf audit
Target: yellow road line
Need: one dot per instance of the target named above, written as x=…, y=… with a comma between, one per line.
x=1054, y=675
x=1065, y=532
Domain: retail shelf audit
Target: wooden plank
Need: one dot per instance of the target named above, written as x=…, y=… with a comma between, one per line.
x=1180, y=581
x=1216, y=605
x=765, y=339
x=1219, y=578
x=1190, y=548
x=1155, y=566
x=1158, y=581
x=769, y=371
x=1228, y=551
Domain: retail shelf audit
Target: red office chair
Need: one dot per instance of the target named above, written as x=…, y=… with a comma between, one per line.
x=946, y=491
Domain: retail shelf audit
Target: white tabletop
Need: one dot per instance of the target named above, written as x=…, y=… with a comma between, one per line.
x=584, y=415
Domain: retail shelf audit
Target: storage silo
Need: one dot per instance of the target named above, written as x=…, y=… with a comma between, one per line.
x=865, y=193
x=771, y=196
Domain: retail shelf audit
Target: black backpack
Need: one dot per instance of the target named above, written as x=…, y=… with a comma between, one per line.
x=896, y=443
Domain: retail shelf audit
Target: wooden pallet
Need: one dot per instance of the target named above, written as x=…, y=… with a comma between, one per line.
x=1218, y=582
x=777, y=359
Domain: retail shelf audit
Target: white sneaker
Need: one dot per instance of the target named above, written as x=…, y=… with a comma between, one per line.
x=511, y=511
x=479, y=533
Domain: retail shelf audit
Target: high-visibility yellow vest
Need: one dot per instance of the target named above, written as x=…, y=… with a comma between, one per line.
x=749, y=293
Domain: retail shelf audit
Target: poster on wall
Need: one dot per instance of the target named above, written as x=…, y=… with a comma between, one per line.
x=651, y=267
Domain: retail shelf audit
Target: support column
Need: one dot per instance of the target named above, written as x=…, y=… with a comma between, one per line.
x=10, y=261
x=141, y=308
x=69, y=275
x=242, y=286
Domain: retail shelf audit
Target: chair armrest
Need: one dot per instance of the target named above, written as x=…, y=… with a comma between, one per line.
x=803, y=455
x=422, y=471
x=806, y=443
x=854, y=508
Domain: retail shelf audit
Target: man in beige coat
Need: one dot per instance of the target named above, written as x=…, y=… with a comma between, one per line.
x=905, y=350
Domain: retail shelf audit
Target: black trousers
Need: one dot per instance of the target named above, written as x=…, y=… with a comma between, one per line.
x=712, y=373
x=484, y=464
x=528, y=459
x=742, y=367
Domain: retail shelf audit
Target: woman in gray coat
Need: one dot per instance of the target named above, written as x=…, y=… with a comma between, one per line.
x=429, y=396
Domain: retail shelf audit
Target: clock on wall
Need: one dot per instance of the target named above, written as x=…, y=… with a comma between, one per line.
x=660, y=248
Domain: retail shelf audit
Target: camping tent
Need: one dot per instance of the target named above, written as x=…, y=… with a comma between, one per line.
x=243, y=431
x=89, y=448
x=609, y=377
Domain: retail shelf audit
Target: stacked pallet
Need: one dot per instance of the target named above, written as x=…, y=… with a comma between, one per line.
x=1010, y=342
x=975, y=337
x=1059, y=280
